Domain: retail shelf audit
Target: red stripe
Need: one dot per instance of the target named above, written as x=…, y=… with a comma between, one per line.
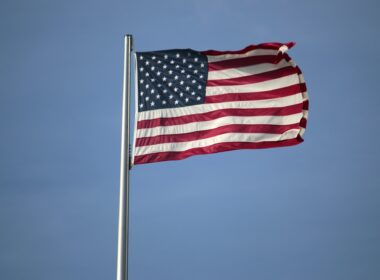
x=216, y=148
x=305, y=105
x=231, y=128
x=269, y=94
x=303, y=122
x=272, y=46
x=277, y=111
x=242, y=62
x=303, y=87
x=256, y=78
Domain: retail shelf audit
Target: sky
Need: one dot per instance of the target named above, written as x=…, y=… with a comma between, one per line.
x=309, y=211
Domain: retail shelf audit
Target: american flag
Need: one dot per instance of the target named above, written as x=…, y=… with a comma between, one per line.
x=191, y=102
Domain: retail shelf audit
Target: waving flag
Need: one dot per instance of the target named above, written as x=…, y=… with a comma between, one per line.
x=190, y=102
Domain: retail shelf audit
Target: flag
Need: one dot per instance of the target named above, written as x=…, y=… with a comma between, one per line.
x=190, y=102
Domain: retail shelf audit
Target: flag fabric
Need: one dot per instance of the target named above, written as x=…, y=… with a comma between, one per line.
x=190, y=102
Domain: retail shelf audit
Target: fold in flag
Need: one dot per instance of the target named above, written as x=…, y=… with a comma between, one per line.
x=190, y=102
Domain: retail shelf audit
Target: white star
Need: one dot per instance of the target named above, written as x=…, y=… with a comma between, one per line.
x=181, y=94
x=188, y=54
x=141, y=57
x=196, y=59
x=159, y=85
x=165, y=56
x=146, y=62
x=158, y=96
x=158, y=73
x=181, y=82
x=187, y=99
x=184, y=60
x=183, y=71
x=152, y=90
x=193, y=81
x=177, y=55
x=170, y=72
x=141, y=93
x=176, y=102
x=165, y=66
x=159, y=61
x=147, y=98
x=141, y=81
x=153, y=80
x=163, y=102
x=201, y=76
x=170, y=96
x=187, y=88
x=195, y=71
x=175, y=89
x=141, y=105
x=190, y=66
x=188, y=76
x=153, y=57
x=199, y=87
x=193, y=93
x=171, y=61
x=147, y=74
x=152, y=68
x=175, y=77
x=164, y=79
x=141, y=69
x=165, y=90
x=202, y=65
x=170, y=84
x=198, y=98
x=146, y=86
x=152, y=103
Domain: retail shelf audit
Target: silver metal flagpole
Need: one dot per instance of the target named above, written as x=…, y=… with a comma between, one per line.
x=122, y=244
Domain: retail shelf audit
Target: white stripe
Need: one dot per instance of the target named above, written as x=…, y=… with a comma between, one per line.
x=302, y=131
x=305, y=113
x=222, y=138
x=246, y=71
x=257, y=52
x=206, y=125
x=204, y=108
x=283, y=48
x=262, y=86
x=302, y=79
x=305, y=95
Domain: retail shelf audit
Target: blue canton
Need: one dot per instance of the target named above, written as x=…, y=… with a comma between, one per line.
x=171, y=78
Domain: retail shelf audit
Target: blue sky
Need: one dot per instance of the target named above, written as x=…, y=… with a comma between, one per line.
x=304, y=212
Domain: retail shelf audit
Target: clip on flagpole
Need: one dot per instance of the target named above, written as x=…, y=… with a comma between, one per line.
x=122, y=245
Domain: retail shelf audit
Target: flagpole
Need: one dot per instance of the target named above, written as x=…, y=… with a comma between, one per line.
x=123, y=230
